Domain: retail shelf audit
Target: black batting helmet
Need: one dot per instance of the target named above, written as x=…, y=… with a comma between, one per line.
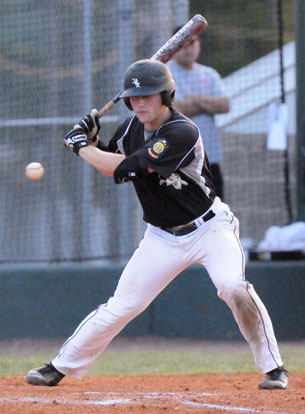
x=148, y=77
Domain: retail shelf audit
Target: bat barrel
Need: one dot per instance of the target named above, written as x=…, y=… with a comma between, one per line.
x=191, y=28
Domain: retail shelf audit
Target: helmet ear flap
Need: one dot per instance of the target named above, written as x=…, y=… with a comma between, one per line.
x=167, y=98
x=172, y=96
x=127, y=103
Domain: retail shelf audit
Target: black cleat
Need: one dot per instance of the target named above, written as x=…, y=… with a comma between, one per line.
x=45, y=375
x=277, y=379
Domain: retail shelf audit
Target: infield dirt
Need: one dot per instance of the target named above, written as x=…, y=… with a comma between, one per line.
x=187, y=394
x=213, y=393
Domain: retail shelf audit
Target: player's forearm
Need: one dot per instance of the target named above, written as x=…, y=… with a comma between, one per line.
x=104, y=162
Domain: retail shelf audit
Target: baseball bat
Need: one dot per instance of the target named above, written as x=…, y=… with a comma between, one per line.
x=168, y=50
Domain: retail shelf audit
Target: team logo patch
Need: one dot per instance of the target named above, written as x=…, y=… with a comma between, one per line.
x=157, y=148
x=175, y=180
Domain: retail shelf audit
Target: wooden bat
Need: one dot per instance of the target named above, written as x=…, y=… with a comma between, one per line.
x=167, y=51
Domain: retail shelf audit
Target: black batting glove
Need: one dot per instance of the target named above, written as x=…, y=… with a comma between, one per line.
x=91, y=125
x=76, y=139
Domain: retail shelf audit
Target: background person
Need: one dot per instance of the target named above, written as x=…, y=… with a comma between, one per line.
x=200, y=95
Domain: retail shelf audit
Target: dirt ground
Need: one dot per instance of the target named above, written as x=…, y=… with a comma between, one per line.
x=187, y=394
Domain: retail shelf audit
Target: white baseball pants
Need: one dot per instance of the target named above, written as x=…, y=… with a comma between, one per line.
x=159, y=258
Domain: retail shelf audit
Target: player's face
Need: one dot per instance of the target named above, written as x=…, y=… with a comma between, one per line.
x=188, y=54
x=150, y=110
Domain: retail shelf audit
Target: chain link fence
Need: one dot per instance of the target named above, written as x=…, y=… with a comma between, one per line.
x=58, y=60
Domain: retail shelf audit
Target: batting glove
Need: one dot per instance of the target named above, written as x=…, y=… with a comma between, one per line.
x=91, y=125
x=76, y=139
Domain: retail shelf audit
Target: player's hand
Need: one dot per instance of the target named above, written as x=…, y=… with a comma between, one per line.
x=76, y=139
x=91, y=126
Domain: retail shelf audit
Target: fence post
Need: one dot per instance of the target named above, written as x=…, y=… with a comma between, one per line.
x=300, y=105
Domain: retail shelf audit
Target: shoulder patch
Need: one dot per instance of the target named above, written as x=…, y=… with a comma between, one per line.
x=157, y=148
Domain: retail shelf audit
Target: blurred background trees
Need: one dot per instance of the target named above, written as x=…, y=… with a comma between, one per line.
x=245, y=28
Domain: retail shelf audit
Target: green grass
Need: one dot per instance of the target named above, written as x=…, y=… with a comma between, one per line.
x=161, y=362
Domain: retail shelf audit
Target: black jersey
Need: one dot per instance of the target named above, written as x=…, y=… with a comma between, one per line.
x=180, y=188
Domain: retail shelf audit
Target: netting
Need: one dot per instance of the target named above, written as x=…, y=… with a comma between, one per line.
x=59, y=60
x=255, y=55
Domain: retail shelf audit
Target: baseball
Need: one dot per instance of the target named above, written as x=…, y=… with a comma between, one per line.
x=34, y=171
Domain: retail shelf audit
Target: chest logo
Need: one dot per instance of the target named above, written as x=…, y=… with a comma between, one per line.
x=175, y=180
x=136, y=82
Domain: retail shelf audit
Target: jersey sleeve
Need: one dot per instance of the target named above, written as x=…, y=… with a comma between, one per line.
x=172, y=148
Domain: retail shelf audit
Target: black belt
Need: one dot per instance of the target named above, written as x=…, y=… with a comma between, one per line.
x=188, y=228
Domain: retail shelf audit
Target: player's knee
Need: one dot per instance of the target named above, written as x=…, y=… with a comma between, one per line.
x=225, y=292
x=232, y=293
x=126, y=308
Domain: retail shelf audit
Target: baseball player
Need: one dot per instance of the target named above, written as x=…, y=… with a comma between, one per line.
x=162, y=153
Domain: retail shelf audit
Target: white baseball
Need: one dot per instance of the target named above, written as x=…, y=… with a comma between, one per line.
x=34, y=171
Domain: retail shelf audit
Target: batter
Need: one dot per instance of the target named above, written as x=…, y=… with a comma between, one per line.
x=162, y=153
